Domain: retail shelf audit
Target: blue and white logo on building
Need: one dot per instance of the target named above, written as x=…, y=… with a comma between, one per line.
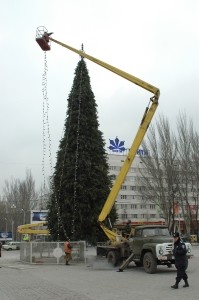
x=116, y=145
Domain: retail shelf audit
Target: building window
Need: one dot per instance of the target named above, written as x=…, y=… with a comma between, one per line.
x=123, y=196
x=143, y=216
x=112, y=168
x=134, y=216
x=143, y=206
x=133, y=188
x=134, y=206
x=112, y=177
x=152, y=206
x=123, y=187
x=124, y=206
x=123, y=216
x=152, y=215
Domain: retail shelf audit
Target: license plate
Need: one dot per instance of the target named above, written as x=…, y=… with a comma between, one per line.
x=163, y=257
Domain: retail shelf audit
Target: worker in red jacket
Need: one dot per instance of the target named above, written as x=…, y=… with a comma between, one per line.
x=67, y=250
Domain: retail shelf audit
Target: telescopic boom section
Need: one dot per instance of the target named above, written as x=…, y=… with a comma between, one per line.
x=115, y=70
x=146, y=119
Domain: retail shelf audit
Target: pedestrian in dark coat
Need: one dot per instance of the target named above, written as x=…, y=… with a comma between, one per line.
x=181, y=261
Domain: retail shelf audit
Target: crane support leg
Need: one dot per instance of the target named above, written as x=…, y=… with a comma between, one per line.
x=126, y=263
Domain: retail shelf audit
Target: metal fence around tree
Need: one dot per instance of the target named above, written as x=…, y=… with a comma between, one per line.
x=51, y=252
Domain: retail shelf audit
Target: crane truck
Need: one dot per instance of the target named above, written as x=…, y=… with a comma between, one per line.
x=145, y=249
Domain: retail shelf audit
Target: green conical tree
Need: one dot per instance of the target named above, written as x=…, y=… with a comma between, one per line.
x=80, y=184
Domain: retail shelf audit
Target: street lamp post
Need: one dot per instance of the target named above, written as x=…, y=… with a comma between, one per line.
x=12, y=229
x=24, y=216
x=13, y=206
x=6, y=225
x=6, y=228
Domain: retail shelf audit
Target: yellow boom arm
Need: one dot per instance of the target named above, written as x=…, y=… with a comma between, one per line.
x=148, y=115
x=115, y=70
x=35, y=228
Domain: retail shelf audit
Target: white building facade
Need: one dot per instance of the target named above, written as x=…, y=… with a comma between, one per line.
x=130, y=204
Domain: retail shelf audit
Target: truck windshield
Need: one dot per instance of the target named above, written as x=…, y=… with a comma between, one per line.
x=155, y=231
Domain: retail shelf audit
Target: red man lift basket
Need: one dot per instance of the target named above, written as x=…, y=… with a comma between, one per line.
x=42, y=38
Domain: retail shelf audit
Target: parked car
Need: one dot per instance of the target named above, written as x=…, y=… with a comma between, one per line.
x=11, y=246
x=193, y=238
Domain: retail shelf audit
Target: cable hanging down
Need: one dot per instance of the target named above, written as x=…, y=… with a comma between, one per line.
x=46, y=127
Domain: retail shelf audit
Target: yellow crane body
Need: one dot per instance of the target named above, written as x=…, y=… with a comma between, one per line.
x=146, y=119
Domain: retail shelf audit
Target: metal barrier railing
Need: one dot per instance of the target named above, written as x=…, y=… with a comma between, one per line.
x=51, y=252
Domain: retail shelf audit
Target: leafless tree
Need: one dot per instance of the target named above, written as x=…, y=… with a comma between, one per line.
x=172, y=168
x=184, y=165
x=195, y=176
x=160, y=178
x=19, y=198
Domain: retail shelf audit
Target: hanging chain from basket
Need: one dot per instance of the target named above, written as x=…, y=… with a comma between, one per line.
x=46, y=127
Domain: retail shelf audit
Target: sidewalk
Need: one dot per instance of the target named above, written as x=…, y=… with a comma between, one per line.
x=91, y=281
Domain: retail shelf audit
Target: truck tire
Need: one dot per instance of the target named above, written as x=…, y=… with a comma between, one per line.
x=112, y=258
x=149, y=263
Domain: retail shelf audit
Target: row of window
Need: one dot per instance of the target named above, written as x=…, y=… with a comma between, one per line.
x=144, y=216
x=130, y=197
x=118, y=168
x=133, y=188
x=139, y=216
x=140, y=197
x=135, y=178
x=135, y=206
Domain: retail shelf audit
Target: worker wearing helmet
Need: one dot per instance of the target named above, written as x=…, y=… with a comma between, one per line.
x=127, y=229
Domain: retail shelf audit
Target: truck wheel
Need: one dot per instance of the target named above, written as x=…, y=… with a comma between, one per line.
x=112, y=258
x=149, y=263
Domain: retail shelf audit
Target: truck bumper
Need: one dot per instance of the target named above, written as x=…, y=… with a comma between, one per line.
x=168, y=257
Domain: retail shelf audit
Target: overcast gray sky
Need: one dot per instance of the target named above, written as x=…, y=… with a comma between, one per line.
x=156, y=41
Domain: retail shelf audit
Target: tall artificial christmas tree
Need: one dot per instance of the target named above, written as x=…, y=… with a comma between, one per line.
x=80, y=184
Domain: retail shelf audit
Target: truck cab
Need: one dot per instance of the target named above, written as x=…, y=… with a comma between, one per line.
x=151, y=246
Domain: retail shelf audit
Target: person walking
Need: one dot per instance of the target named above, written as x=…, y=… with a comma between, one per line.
x=67, y=250
x=181, y=261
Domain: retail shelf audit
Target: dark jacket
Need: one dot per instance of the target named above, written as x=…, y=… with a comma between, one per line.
x=179, y=252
